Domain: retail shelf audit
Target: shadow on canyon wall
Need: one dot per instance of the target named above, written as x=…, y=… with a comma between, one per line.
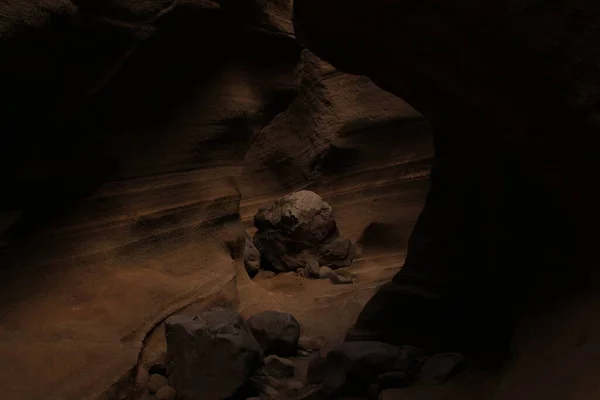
x=138, y=136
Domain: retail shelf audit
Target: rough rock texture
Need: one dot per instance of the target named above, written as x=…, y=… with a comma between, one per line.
x=134, y=141
x=213, y=354
x=277, y=332
x=517, y=81
x=299, y=229
x=350, y=368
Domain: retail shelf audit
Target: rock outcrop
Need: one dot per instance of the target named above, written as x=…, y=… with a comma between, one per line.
x=300, y=229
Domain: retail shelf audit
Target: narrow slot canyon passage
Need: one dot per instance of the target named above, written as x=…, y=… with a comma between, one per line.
x=213, y=199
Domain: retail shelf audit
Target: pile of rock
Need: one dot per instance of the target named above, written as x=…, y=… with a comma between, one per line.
x=217, y=355
x=298, y=232
x=366, y=368
x=156, y=380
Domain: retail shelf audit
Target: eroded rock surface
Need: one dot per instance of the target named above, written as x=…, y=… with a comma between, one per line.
x=213, y=354
x=134, y=140
x=299, y=229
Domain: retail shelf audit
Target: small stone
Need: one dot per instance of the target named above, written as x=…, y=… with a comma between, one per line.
x=340, y=280
x=440, y=367
x=276, y=332
x=393, y=380
x=278, y=367
x=269, y=391
x=325, y=272
x=328, y=273
x=156, y=382
x=311, y=344
x=312, y=269
x=166, y=393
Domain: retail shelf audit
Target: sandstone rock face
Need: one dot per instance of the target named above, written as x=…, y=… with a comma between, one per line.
x=135, y=142
x=298, y=229
x=213, y=354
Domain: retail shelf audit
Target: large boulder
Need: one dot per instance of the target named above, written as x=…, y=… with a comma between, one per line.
x=213, y=355
x=298, y=229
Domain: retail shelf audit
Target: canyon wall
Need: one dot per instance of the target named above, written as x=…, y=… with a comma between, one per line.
x=136, y=137
x=511, y=92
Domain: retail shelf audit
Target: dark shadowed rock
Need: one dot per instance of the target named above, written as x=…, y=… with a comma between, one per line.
x=351, y=367
x=438, y=368
x=312, y=392
x=159, y=369
x=277, y=332
x=393, y=380
x=409, y=360
x=251, y=257
x=298, y=229
x=292, y=388
x=278, y=367
x=213, y=354
x=166, y=393
x=156, y=382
